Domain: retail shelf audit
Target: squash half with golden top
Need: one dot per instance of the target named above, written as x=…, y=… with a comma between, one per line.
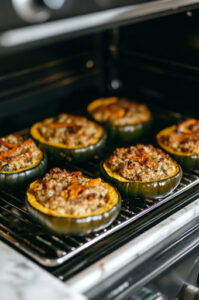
x=68, y=203
x=142, y=171
x=182, y=142
x=124, y=120
x=69, y=137
x=21, y=161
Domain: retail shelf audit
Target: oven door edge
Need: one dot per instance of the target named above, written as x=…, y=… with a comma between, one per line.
x=110, y=277
x=70, y=27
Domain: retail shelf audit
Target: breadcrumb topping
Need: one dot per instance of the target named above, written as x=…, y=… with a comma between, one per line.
x=120, y=111
x=185, y=137
x=70, y=130
x=141, y=163
x=70, y=193
x=17, y=153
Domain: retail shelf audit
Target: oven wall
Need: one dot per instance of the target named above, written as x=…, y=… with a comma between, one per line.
x=44, y=81
x=154, y=61
x=159, y=60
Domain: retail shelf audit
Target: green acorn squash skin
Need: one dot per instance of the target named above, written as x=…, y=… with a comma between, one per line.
x=128, y=133
x=155, y=190
x=187, y=161
x=79, y=226
x=121, y=134
x=15, y=180
x=63, y=153
x=75, y=226
x=74, y=155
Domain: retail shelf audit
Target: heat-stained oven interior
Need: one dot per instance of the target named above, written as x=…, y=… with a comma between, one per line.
x=155, y=62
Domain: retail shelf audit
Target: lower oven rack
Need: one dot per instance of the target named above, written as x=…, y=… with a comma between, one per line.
x=18, y=228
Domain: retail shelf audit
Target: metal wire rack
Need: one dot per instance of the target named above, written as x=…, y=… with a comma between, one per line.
x=18, y=228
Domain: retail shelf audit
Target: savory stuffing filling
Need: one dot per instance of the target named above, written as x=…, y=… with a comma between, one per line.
x=17, y=153
x=70, y=130
x=70, y=193
x=120, y=111
x=141, y=163
x=185, y=137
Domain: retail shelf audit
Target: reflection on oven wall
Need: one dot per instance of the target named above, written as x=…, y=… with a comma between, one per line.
x=19, y=13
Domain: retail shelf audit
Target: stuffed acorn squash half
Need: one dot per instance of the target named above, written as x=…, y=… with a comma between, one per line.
x=182, y=142
x=142, y=171
x=124, y=120
x=21, y=161
x=69, y=203
x=69, y=137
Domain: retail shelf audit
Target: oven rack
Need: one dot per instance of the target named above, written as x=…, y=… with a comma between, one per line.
x=18, y=228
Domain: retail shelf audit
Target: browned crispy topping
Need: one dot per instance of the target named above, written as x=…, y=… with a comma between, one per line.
x=189, y=126
x=16, y=153
x=141, y=163
x=121, y=112
x=69, y=130
x=185, y=138
x=70, y=192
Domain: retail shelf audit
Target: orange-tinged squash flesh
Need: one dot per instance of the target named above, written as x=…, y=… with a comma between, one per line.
x=62, y=152
x=120, y=133
x=138, y=189
x=189, y=161
x=70, y=224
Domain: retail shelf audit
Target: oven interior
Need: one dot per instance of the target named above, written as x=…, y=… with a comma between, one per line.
x=155, y=62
